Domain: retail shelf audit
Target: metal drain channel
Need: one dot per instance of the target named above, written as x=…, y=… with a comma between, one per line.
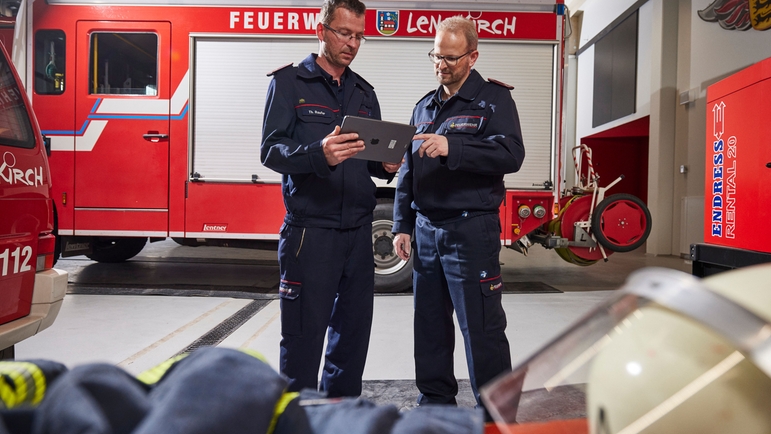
x=227, y=327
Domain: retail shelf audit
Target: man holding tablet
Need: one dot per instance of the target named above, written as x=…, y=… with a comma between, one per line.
x=449, y=192
x=325, y=250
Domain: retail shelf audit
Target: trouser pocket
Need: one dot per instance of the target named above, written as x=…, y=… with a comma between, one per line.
x=494, y=316
x=291, y=307
x=290, y=287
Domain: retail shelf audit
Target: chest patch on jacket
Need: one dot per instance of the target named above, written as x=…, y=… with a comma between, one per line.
x=464, y=124
x=311, y=110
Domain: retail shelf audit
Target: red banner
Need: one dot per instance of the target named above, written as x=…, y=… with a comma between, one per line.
x=399, y=23
x=490, y=25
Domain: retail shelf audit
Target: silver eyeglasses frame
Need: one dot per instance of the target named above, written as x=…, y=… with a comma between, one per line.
x=449, y=60
x=346, y=37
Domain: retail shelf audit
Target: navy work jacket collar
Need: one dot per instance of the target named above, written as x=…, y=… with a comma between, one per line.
x=308, y=68
x=468, y=91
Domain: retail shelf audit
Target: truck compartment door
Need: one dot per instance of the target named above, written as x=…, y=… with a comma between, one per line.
x=122, y=110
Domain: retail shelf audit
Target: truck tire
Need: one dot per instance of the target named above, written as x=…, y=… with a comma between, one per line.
x=187, y=242
x=391, y=273
x=116, y=249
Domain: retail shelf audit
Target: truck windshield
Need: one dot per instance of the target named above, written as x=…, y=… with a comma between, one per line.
x=15, y=127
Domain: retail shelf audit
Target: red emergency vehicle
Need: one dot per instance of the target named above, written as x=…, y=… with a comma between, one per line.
x=154, y=111
x=7, y=25
x=31, y=291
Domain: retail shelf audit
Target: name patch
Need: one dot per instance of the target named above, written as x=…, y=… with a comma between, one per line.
x=464, y=124
x=315, y=111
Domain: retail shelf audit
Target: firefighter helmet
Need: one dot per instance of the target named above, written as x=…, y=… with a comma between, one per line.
x=667, y=353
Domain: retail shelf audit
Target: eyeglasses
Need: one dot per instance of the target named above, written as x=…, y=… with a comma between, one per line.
x=345, y=37
x=450, y=60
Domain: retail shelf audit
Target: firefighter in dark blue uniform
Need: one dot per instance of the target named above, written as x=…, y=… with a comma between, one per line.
x=449, y=192
x=325, y=247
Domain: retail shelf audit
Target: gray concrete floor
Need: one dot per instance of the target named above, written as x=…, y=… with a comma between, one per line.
x=138, y=331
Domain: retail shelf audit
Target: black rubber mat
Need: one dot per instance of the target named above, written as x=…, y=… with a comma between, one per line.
x=563, y=402
x=404, y=394
x=253, y=293
x=187, y=291
x=529, y=288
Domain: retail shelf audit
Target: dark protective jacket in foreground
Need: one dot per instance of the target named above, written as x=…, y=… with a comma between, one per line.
x=300, y=110
x=212, y=390
x=485, y=142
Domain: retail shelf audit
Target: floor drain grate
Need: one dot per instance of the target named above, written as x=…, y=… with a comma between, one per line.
x=225, y=328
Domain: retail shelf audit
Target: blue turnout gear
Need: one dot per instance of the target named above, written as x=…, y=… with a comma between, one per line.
x=211, y=390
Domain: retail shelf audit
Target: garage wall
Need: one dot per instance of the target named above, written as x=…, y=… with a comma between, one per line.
x=584, y=98
x=680, y=56
x=714, y=54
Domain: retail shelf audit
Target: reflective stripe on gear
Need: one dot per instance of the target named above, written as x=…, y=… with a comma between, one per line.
x=154, y=374
x=281, y=405
x=23, y=384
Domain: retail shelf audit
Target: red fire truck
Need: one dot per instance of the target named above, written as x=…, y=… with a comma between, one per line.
x=31, y=291
x=154, y=110
x=6, y=32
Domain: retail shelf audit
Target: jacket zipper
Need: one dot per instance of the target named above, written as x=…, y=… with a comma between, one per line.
x=300, y=247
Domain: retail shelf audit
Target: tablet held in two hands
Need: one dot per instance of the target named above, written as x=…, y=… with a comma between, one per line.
x=383, y=140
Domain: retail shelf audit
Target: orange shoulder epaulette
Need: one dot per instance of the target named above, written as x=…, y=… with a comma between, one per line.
x=500, y=83
x=279, y=69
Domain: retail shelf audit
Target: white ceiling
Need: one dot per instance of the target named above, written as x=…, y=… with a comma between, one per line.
x=574, y=5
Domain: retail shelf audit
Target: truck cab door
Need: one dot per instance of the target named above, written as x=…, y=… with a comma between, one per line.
x=122, y=116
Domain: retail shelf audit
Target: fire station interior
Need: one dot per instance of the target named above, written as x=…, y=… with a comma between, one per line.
x=562, y=309
x=171, y=299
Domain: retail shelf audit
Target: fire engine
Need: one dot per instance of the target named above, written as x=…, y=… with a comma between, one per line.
x=154, y=111
x=31, y=290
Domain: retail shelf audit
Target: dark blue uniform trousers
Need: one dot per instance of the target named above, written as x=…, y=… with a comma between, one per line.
x=456, y=268
x=327, y=286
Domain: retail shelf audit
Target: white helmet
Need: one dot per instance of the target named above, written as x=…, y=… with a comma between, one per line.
x=668, y=353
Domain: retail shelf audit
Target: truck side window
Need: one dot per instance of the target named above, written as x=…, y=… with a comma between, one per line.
x=49, y=62
x=123, y=64
x=15, y=127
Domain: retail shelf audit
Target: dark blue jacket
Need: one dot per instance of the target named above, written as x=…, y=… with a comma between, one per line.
x=211, y=390
x=300, y=110
x=485, y=142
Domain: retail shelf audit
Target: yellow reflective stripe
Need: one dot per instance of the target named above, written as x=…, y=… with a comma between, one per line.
x=154, y=374
x=39, y=381
x=28, y=384
x=20, y=384
x=281, y=405
x=7, y=394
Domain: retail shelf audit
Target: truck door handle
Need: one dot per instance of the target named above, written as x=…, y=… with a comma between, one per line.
x=155, y=137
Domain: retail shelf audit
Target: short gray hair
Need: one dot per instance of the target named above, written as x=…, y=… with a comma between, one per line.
x=329, y=7
x=463, y=26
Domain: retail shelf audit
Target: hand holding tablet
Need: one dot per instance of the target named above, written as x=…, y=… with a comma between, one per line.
x=383, y=141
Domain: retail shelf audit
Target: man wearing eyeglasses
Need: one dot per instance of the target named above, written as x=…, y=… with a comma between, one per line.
x=449, y=192
x=325, y=248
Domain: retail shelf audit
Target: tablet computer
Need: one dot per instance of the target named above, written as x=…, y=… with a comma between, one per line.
x=383, y=141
